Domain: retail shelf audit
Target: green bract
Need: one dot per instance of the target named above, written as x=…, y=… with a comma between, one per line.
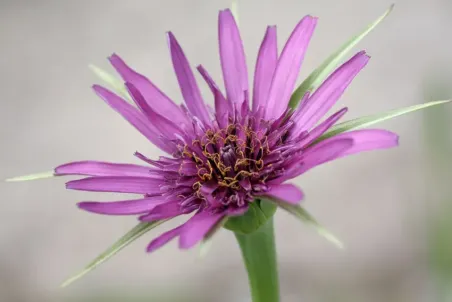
x=321, y=72
x=257, y=215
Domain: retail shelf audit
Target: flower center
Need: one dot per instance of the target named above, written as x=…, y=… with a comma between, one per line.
x=230, y=164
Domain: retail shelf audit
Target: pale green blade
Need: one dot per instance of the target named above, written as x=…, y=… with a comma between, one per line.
x=321, y=72
x=115, y=83
x=124, y=241
x=206, y=243
x=235, y=11
x=47, y=174
x=307, y=218
x=376, y=118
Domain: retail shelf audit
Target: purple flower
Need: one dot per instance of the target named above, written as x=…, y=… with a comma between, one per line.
x=220, y=161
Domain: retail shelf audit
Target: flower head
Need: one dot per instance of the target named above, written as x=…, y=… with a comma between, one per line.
x=219, y=162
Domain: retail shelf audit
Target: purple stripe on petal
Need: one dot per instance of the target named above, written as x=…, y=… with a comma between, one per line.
x=232, y=56
x=187, y=81
x=119, y=184
x=265, y=68
x=163, y=211
x=125, y=207
x=288, y=67
x=166, y=127
x=286, y=192
x=330, y=91
x=98, y=168
x=197, y=227
x=164, y=239
x=133, y=116
x=156, y=99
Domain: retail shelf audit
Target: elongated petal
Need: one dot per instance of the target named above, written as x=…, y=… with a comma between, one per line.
x=265, y=68
x=232, y=56
x=197, y=228
x=125, y=207
x=330, y=91
x=156, y=99
x=166, y=127
x=120, y=184
x=286, y=192
x=288, y=67
x=187, y=81
x=99, y=168
x=323, y=127
x=368, y=139
x=163, y=239
x=133, y=116
x=163, y=211
x=222, y=105
x=321, y=153
x=206, y=76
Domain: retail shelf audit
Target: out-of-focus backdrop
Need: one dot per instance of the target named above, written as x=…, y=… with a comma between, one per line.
x=393, y=209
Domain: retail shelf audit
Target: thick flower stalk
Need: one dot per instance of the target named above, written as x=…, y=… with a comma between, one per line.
x=229, y=165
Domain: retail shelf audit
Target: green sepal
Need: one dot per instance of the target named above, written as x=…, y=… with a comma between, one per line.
x=369, y=120
x=302, y=214
x=135, y=233
x=257, y=215
x=114, y=82
x=321, y=72
x=36, y=176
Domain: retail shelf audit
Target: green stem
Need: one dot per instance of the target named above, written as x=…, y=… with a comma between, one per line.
x=259, y=255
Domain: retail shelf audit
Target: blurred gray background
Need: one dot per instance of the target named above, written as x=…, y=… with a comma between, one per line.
x=377, y=203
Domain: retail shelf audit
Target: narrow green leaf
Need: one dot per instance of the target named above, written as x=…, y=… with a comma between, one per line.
x=36, y=176
x=321, y=72
x=124, y=241
x=307, y=218
x=376, y=118
x=235, y=11
x=115, y=83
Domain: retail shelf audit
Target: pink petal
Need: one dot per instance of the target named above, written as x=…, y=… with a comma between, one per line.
x=98, y=168
x=286, y=192
x=323, y=127
x=330, y=91
x=320, y=153
x=197, y=227
x=125, y=207
x=288, y=67
x=368, y=140
x=187, y=81
x=205, y=75
x=163, y=211
x=133, y=116
x=232, y=56
x=267, y=60
x=163, y=239
x=120, y=184
x=166, y=127
x=155, y=98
